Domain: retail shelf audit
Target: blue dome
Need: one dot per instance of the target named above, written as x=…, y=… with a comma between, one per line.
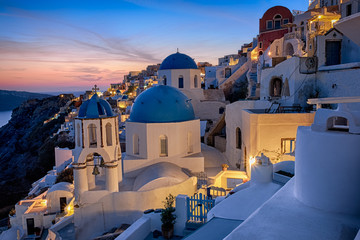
x=178, y=61
x=161, y=104
x=95, y=108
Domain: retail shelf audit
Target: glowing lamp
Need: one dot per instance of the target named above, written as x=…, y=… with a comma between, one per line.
x=269, y=53
x=252, y=160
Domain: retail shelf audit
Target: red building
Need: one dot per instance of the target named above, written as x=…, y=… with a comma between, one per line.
x=271, y=26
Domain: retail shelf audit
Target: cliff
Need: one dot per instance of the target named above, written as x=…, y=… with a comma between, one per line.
x=12, y=99
x=27, y=146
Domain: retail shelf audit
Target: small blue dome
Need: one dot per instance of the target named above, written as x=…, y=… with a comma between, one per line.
x=178, y=61
x=161, y=104
x=95, y=108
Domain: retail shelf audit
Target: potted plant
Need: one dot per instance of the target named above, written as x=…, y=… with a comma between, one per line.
x=224, y=166
x=168, y=217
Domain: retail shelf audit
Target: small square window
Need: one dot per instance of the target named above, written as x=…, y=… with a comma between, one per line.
x=286, y=20
x=269, y=24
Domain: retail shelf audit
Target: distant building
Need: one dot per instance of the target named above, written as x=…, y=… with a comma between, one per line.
x=271, y=26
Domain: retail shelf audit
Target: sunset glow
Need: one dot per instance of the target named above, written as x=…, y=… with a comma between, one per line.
x=65, y=45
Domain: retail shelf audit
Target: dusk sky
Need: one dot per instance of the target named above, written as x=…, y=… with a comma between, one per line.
x=69, y=45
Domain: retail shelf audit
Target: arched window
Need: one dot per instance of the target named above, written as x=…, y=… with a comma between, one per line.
x=190, y=147
x=275, y=87
x=78, y=135
x=164, y=80
x=108, y=134
x=135, y=144
x=163, y=146
x=277, y=21
x=92, y=135
x=238, y=138
x=181, y=81
x=195, y=82
x=338, y=124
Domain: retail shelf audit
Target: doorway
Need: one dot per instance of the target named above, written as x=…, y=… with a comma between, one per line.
x=62, y=204
x=30, y=224
x=332, y=49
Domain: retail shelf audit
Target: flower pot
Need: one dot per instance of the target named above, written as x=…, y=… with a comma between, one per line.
x=167, y=232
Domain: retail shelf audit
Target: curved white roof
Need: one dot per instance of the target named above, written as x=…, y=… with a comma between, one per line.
x=62, y=186
x=159, y=175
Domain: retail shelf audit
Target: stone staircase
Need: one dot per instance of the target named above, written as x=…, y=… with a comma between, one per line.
x=228, y=83
x=252, y=79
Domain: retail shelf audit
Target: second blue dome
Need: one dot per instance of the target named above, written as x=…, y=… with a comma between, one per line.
x=162, y=104
x=178, y=61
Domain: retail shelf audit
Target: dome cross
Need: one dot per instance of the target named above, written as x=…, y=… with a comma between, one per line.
x=95, y=88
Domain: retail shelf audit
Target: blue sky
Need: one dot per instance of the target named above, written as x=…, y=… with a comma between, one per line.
x=50, y=45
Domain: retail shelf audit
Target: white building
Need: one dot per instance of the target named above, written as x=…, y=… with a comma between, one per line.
x=180, y=71
x=163, y=128
x=321, y=201
x=96, y=145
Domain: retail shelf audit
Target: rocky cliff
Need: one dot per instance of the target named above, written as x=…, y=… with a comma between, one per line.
x=12, y=99
x=27, y=146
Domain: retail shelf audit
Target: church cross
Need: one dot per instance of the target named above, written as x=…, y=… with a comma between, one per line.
x=95, y=88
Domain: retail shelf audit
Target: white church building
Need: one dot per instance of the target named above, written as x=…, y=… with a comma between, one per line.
x=162, y=128
x=180, y=71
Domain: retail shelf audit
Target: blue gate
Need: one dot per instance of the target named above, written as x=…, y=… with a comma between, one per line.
x=198, y=206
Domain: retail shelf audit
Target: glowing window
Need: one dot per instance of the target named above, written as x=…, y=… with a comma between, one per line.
x=287, y=145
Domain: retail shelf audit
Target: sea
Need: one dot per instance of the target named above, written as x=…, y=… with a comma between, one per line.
x=4, y=117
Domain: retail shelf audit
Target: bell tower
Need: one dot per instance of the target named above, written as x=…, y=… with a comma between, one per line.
x=97, y=147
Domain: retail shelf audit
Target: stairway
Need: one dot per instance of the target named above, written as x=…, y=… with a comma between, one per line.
x=252, y=79
x=228, y=83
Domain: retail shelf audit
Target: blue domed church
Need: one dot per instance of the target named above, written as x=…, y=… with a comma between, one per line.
x=162, y=128
x=180, y=71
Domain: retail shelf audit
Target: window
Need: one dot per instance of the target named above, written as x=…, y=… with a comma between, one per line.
x=92, y=135
x=195, y=82
x=348, y=10
x=277, y=21
x=181, y=81
x=221, y=110
x=286, y=21
x=135, y=144
x=260, y=45
x=275, y=87
x=78, y=134
x=164, y=80
x=163, y=146
x=108, y=134
x=238, y=138
x=287, y=145
x=269, y=24
x=338, y=124
x=189, y=143
x=227, y=72
x=277, y=51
